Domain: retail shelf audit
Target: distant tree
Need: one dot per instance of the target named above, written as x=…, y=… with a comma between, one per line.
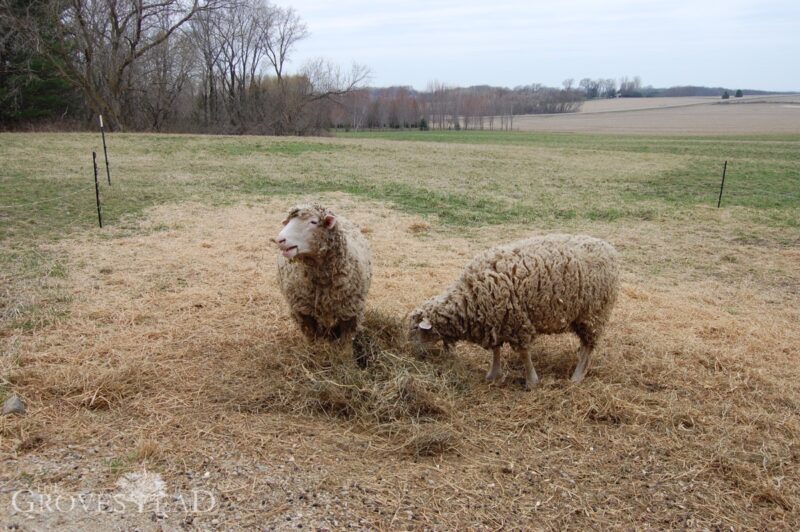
x=423, y=124
x=355, y=105
x=725, y=95
x=319, y=83
x=739, y=93
x=609, y=88
x=591, y=87
x=630, y=88
x=374, y=112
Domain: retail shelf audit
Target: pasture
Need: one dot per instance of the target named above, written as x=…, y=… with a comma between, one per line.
x=160, y=343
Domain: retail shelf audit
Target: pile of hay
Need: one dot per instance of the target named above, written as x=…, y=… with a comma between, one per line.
x=400, y=396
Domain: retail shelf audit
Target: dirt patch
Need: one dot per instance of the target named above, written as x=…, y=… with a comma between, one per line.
x=178, y=358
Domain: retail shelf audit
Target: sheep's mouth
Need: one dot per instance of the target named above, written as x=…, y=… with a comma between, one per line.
x=289, y=252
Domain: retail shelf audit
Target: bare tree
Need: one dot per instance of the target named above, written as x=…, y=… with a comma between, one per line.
x=591, y=87
x=159, y=78
x=609, y=88
x=240, y=34
x=289, y=29
x=98, y=42
x=319, y=82
x=237, y=45
x=356, y=106
x=203, y=36
x=630, y=87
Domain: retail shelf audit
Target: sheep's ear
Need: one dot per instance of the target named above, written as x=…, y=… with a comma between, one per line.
x=425, y=325
x=329, y=221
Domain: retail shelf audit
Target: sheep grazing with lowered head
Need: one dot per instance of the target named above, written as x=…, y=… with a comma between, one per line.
x=514, y=292
x=324, y=272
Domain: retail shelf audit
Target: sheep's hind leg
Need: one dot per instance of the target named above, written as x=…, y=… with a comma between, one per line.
x=584, y=353
x=531, y=378
x=496, y=370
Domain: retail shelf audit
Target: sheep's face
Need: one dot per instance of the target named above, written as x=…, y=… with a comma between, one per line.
x=421, y=332
x=300, y=232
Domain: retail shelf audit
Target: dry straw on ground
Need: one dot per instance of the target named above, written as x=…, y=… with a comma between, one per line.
x=178, y=355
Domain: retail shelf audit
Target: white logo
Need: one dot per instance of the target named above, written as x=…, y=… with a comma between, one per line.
x=139, y=491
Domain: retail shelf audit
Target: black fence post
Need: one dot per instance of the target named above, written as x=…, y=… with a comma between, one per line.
x=105, y=150
x=97, y=189
x=722, y=185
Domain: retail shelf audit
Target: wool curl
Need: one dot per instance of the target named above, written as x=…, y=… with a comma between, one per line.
x=513, y=292
x=327, y=289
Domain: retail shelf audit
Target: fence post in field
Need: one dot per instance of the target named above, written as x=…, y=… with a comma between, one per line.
x=97, y=189
x=105, y=150
x=722, y=185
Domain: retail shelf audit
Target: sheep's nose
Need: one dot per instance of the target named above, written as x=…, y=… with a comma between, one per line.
x=281, y=240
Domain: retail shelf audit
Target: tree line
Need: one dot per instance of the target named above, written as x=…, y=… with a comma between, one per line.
x=216, y=66
x=220, y=66
x=442, y=106
x=176, y=65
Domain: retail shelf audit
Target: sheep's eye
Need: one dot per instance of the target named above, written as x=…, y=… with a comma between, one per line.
x=314, y=222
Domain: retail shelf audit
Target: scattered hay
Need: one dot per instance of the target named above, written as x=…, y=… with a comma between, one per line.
x=431, y=440
x=184, y=355
x=395, y=387
x=95, y=385
x=30, y=443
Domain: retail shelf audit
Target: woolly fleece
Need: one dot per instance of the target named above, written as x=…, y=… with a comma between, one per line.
x=540, y=285
x=327, y=288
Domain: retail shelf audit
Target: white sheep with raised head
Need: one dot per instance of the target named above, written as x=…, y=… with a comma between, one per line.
x=324, y=272
x=511, y=293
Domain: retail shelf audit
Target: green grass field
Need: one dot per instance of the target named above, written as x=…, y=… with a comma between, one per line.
x=458, y=179
x=462, y=177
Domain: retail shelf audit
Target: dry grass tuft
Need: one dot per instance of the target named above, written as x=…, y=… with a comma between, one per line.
x=147, y=450
x=418, y=228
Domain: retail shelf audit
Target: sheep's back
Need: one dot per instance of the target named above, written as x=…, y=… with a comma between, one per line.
x=542, y=284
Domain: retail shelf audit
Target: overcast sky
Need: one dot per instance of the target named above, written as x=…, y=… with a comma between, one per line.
x=731, y=43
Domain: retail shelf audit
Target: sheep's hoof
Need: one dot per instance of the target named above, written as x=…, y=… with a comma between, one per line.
x=530, y=384
x=577, y=378
x=493, y=375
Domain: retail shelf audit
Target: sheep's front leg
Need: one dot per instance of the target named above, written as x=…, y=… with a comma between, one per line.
x=447, y=347
x=531, y=378
x=588, y=339
x=584, y=354
x=496, y=370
